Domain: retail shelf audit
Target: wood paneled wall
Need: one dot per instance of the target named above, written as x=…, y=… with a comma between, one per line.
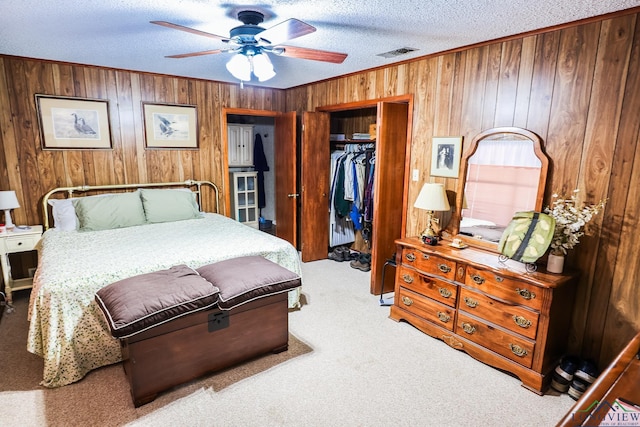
x=31, y=171
x=579, y=89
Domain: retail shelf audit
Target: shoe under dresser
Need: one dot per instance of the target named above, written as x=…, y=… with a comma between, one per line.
x=496, y=312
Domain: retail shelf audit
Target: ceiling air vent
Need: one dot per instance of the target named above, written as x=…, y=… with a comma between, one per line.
x=397, y=52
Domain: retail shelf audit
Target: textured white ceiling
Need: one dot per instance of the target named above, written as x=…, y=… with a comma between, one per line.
x=117, y=33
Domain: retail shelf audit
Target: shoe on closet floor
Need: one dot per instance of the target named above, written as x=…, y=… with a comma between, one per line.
x=340, y=254
x=363, y=262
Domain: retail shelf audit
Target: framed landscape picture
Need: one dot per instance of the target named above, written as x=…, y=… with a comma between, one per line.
x=73, y=123
x=445, y=156
x=170, y=126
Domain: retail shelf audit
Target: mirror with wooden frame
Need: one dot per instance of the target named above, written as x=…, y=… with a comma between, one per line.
x=502, y=171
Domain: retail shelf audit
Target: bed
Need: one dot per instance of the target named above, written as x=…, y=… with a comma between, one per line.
x=481, y=229
x=105, y=245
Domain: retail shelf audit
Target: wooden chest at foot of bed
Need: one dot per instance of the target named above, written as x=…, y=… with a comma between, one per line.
x=178, y=324
x=203, y=342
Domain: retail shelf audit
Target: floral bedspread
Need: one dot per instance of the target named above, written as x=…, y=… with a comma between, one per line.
x=66, y=326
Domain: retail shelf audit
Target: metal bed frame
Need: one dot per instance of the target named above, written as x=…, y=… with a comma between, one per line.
x=84, y=188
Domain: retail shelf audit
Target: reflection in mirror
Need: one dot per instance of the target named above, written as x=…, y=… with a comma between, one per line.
x=504, y=172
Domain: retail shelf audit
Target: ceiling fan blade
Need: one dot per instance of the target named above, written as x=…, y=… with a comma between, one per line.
x=204, y=52
x=190, y=30
x=313, y=54
x=286, y=30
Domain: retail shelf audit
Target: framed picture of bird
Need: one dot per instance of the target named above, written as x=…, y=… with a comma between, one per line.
x=73, y=123
x=170, y=126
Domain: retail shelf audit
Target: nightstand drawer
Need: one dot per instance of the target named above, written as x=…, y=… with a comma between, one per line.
x=508, y=345
x=426, y=308
x=20, y=243
x=431, y=287
x=428, y=263
x=515, y=318
x=506, y=289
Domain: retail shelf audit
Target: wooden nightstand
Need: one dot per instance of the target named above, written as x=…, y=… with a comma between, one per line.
x=12, y=242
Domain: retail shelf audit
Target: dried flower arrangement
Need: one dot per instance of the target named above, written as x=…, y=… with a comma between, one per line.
x=571, y=216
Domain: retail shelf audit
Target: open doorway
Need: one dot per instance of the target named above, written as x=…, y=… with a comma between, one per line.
x=276, y=168
x=258, y=160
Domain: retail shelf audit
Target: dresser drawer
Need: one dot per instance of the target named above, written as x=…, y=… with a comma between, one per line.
x=426, y=308
x=428, y=263
x=506, y=289
x=515, y=318
x=508, y=345
x=431, y=287
x=21, y=243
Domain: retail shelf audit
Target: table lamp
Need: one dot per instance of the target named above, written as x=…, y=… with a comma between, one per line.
x=432, y=197
x=8, y=201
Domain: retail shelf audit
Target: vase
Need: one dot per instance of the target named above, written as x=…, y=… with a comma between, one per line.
x=555, y=263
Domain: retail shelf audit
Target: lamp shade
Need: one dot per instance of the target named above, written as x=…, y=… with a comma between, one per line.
x=432, y=197
x=8, y=200
x=262, y=67
x=240, y=67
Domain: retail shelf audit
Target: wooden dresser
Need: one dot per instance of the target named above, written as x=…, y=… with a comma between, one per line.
x=496, y=312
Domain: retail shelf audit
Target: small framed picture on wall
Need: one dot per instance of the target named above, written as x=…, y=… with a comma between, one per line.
x=445, y=156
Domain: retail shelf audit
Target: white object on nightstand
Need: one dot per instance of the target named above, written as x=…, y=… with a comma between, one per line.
x=18, y=240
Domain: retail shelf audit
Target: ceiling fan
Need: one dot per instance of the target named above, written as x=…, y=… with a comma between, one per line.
x=251, y=42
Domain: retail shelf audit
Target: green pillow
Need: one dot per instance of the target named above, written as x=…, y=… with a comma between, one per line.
x=109, y=211
x=169, y=205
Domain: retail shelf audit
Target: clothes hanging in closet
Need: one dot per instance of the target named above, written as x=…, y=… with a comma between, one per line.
x=261, y=166
x=351, y=172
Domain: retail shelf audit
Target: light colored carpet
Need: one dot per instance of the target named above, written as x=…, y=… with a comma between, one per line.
x=352, y=366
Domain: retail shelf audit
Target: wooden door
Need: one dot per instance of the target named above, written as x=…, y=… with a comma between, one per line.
x=315, y=171
x=285, y=175
x=391, y=147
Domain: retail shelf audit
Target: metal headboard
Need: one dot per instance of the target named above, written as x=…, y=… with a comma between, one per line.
x=85, y=188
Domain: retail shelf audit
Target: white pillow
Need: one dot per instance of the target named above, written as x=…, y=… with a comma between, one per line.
x=64, y=214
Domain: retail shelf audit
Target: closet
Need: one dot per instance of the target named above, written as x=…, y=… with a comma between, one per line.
x=391, y=119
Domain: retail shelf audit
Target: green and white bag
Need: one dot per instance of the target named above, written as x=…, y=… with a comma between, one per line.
x=527, y=237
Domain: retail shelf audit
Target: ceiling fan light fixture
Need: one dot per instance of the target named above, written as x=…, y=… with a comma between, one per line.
x=262, y=67
x=240, y=67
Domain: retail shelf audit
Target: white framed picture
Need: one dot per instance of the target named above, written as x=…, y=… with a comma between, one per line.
x=445, y=156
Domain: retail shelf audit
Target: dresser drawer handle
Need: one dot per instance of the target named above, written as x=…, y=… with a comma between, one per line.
x=522, y=321
x=477, y=279
x=468, y=328
x=445, y=292
x=518, y=351
x=407, y=301
x=526, y=294
x=410, y=257
x=471, y=303
x=407, y=278
x=444, y=317
x=444, y=268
